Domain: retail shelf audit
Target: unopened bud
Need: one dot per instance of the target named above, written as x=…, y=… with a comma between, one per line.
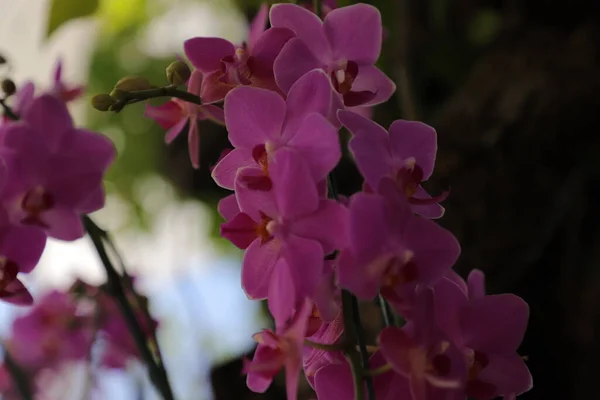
x=103, y=102
x=8, y=87
x=133, y=83
x=118, y=94
x=178, y=73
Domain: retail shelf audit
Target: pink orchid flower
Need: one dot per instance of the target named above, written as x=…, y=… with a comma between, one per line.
x=279, y=350
x=345, y=53
x=54, y=170
x=261, y=123
x=406, y=154
x=175, y=114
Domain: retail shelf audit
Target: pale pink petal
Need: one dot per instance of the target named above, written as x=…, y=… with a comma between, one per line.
x=253, y=116
x=213, y=113
x=64, y=224
x=476, y=284
x=356, y=277
x=431, y=211
x=329, y=225
x=305, y=259
x=335, y=382
x=369, y=146
x=241, y=230
x=258, y=24
x=495, y=323
x=310, y=94
x=293, y=62
x=372, y=79
x=295, y=190
x=396, y=347
x=24, y=246
x=257, y=267
x=306, y=25
x=347, y=41
x=282, y=295
x=508, y=373
x=252, y=201
x=194, y=84
x=368, y=236
x=166, y=115
x=266, y=50
x=175, y=130
x=228, y=207
x=194, y=144
x=435, y=248
x=318, y=144
x=225, y=171
x=417, y=140
x=50, y=120
x=205, y=53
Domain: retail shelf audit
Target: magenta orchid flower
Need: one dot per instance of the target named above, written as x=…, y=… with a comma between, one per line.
x=390, y=247
x=260, y=123
x=279, y=350
x=287, y=232
x=175, y=114
x=488, y=330
x=63, y=91
x=422, y=353
x=334, y=381
x=226, y=66
x=258, y=25
x=335, y=45
x=52, y=332
x=20, y=251
x=54, y=170
x=406, y=154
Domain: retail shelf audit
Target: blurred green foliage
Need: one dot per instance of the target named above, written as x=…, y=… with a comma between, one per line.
x=62, y=11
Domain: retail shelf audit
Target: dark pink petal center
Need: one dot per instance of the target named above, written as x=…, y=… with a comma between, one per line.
x=8, y=272
x=235, y=67
x=34, y=203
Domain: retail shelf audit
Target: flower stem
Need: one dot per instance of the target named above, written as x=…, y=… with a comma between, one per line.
x=165, y=91
x=156, y=371
x=19, y=377
x=353, y=331
x=386, y=312
x=317, y=7
x=380, y=370
x=10, y=114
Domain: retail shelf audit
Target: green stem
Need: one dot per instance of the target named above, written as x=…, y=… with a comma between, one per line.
x=362, y=344
x=8, y=111
x=128, y=284
x=19, y=377
x=165, y=91
x=378, y=371
x=386, y=312
x=156, y=371
x=317, y=7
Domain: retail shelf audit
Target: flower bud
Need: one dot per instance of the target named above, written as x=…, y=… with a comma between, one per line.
x=118, y=94
x=8, y=87
x=133, y=83
x=102, y=102
x=178, y=73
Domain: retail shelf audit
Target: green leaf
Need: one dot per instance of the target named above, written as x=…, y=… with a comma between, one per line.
x=62, y=11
